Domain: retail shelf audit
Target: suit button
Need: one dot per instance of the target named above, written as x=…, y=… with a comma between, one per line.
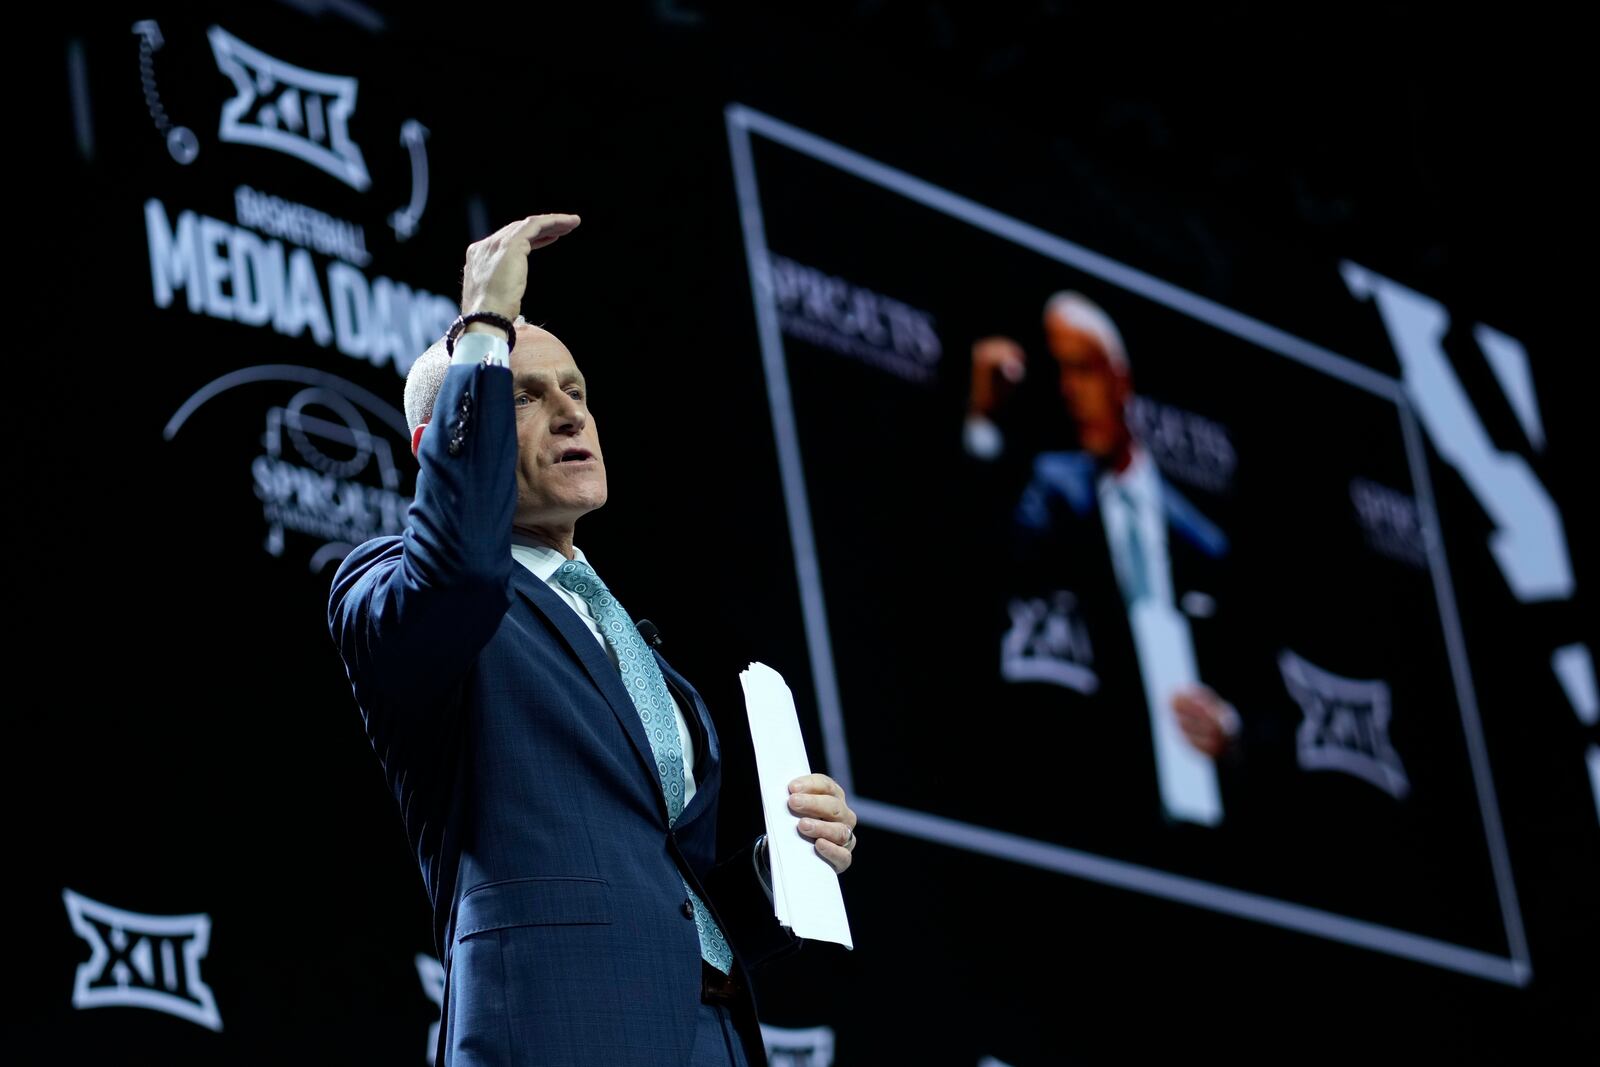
x=688, y=908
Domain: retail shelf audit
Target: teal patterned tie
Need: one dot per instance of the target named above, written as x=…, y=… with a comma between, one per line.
x=1138, y=576
x=642, y=678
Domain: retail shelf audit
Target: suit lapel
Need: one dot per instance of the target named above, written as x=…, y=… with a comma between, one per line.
x=594, y=659
x=705, y=770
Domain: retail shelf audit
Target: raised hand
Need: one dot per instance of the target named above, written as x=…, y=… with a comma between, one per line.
x=998, y=366
x=496, y=272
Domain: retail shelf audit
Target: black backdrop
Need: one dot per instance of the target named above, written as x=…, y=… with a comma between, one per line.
x=189, y=745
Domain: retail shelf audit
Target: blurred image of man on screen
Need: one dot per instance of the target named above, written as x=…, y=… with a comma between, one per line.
x=1104, y=510
x=559, y=782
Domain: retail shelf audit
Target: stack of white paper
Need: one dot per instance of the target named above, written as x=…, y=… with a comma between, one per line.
x=805, y=889
x=1187, y=777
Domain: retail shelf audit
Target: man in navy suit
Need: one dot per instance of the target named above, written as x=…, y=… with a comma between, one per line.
x=1097, y=528
x=564, y=821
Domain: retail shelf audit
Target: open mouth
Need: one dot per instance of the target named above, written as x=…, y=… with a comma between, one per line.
x=574, y=455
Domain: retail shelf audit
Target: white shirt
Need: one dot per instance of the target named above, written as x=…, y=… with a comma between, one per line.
x=487, y=348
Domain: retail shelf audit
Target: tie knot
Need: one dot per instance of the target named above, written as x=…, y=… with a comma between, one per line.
x=581, y=579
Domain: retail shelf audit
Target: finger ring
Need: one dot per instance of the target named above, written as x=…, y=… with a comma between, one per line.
x=851, y=839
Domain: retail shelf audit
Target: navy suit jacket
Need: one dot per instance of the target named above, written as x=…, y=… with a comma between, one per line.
x=525, y=779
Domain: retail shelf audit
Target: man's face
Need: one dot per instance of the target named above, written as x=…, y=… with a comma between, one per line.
x=560, y=472
x=1093, y=389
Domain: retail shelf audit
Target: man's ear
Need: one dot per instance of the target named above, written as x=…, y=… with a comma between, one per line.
x=416, y=437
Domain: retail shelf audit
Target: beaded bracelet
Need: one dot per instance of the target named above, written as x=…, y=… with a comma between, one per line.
x=462, y=321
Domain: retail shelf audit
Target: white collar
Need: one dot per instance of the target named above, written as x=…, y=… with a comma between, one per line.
x=539, y=557
x=1137, y=479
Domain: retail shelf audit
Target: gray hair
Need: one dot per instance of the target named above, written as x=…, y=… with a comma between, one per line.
x=426, y=378
x=1080, y=312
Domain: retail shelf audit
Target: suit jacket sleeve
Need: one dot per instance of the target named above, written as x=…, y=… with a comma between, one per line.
x=410, y=614
x=746, y=911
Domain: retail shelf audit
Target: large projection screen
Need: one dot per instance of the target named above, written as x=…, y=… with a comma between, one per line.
x=1305, y=576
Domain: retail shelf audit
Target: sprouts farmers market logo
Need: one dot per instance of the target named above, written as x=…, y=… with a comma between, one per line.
x=326, y=470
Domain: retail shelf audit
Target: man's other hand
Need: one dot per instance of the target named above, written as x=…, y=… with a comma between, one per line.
x=1209, y=722
x=825, y=818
